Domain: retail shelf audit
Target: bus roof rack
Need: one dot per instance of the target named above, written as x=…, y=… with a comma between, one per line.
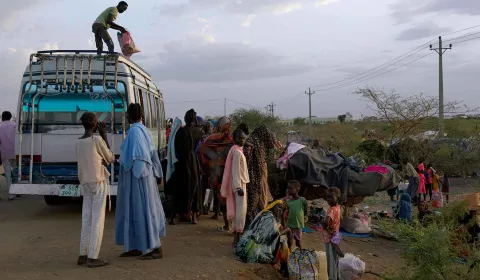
x=77, y=52
x=52, y=52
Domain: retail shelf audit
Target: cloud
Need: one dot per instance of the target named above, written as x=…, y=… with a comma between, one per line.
x=423, y=30
x=286, y=8
x=190, y=61
x=319, y=3
x=407, y=10
x=238, y=7
x=207, y=24
x=248, y=21
x=10, y=11
x=14, y=61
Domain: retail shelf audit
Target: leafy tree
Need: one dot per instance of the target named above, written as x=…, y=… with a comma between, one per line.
x=253, y=118
x=299, y=121
x=341, y=118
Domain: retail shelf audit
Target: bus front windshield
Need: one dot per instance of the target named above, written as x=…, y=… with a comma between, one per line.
x=59, y=111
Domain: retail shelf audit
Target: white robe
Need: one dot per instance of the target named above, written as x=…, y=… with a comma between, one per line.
x=239, y=181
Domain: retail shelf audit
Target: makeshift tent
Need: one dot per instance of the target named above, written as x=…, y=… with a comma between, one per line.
x=319, y=170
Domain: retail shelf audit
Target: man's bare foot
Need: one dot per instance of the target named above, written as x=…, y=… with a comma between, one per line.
x=132, y=253
x=93, y=263
x=82, y=260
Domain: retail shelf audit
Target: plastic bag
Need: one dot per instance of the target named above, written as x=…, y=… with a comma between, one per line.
x=351, y=267
x=126, y=44
x=354, y=225
x=437, y=199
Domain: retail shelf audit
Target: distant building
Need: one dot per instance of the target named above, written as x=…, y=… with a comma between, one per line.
x=315, y=120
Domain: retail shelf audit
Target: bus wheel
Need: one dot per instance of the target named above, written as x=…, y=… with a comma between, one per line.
x=53, y=200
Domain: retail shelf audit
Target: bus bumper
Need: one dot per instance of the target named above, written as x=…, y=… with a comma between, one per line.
x=65, y=190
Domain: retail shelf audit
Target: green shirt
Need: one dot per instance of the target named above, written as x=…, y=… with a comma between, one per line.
x=296, y=213
x=103, y=17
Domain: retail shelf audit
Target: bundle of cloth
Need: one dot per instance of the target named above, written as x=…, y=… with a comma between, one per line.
x=319, y=169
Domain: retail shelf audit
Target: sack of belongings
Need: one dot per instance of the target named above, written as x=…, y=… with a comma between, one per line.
x=307, y=264
x=354, y=225
x=126, y=44
x=351, y=267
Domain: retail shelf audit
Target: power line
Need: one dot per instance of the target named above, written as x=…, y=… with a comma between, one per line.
x=399, y=58
x=466, y=40
x=453, y=32
x=290, y=99
x=369, y=78
x=384, y=65
x=196, y=101
x=241, y=103
x=460, y=37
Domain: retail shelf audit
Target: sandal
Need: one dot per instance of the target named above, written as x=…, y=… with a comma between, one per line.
x=153, y=255
x=132, y=253
x=222, y=229
x=82, y=260
x=94, y=263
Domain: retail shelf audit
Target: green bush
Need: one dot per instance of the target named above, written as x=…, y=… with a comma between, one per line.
x=435, y=251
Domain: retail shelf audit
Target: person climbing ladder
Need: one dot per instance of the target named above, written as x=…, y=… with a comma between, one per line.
x=105, y=21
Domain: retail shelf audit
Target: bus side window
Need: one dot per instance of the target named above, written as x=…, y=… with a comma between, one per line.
x=153, y=111
x=146, y=109
x=137, y=97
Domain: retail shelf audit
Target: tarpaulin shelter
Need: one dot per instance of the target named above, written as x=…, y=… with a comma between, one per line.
x=319, y=170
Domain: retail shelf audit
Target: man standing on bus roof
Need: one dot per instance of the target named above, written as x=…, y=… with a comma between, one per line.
x=105, y=21
x=7, y=148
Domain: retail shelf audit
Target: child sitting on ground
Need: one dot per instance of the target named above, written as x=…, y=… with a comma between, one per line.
x=297, y=212
x=331, y=233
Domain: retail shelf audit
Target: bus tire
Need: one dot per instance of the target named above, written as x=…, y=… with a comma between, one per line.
x=52, y=200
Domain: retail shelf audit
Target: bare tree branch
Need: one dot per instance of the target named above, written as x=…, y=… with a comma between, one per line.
x=405, y=114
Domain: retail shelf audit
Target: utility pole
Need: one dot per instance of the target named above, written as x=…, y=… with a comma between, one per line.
x=225, y=107
x=270, y=109
x=310, y=93
x=440, y=50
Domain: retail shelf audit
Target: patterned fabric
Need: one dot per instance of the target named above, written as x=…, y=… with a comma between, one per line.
x=259, y=143
x=305, y=265
x=259, y=241
x=333, y=225
x=213, y=152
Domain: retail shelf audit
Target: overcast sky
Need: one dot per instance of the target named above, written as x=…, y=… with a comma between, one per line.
x=254, y=52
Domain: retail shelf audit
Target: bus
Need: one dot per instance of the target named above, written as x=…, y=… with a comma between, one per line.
x=58, y=86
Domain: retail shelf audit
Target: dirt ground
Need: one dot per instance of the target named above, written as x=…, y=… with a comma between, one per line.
x=41, y=242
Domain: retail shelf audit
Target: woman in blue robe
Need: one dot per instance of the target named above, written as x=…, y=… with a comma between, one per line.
x=139, y=217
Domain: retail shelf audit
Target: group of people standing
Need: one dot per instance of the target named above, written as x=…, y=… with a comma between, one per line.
x=422, y=182
x=206, y=157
